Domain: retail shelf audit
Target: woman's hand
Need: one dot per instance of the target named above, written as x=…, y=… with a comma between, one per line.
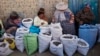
x=83, y=16
x=81, y=22
x=53, y=19
x=71, y=21
x=72, y=18
x=42, y=23
x=11, y=29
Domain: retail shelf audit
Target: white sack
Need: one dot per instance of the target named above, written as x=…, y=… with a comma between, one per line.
x=19, y=38
x=27, y=22
x=83, y=47
x=98, y=25
x=44, y=41
x=56, y=47
x=44, y=29
x=70, y=44
x=7, y=35
x=5, y=50
x=56, y=30
x=21, y=31
x=19, y=43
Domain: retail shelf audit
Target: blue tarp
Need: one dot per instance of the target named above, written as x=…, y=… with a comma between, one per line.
x=34, y=29
x=77, y=5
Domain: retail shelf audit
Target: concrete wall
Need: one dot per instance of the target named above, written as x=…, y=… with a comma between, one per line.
x=27, y=7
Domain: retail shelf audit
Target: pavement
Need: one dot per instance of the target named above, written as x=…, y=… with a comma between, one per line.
x=95, y=51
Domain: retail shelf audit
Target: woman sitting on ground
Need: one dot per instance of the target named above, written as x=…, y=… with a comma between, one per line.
x=85, y=16
x=12, y=23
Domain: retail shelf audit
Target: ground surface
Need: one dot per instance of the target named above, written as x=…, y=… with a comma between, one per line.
x=95, y=51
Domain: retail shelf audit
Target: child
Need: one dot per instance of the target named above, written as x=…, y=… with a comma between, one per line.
x=42, y=10
x=12, y=23
x=39, y=20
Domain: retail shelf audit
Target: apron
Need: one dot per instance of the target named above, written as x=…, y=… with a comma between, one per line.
x=68, y=28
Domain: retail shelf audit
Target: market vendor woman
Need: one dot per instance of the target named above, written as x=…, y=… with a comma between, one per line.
x=64, y=16
x=85, y=16
x=12, y=23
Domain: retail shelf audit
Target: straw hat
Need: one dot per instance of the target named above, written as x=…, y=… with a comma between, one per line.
x=61, y=6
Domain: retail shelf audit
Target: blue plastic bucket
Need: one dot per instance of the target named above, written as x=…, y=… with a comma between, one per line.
x=89, y=34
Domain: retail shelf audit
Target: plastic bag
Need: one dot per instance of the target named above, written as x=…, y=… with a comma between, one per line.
x=1, y=23
x=44, y=41
x=56, y=47
x=98, y=26
x=70, y=43
x=44, y=29
x=19, y=43
x=1, y=33
x=83, y=47
x=91, y=36
x=7, y=35
x=30, y=42
x=27, y=22
x=11, y=42
x=1, y=28
x=4, y=49
x=56, y=31
x=34, y=29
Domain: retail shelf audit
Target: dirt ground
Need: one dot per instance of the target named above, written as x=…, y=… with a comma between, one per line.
x=95, y=51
